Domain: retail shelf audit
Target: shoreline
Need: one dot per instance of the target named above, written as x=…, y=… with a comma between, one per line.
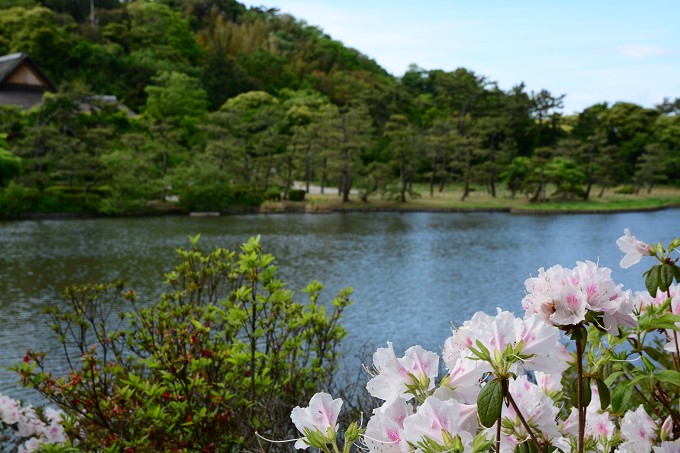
x=310, y=209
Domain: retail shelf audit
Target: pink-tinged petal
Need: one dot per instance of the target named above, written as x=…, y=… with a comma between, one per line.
x=668, y=447
x=420, y=362
x=395, y=374
x=667, y=429
x=637, y=427
x=321, y=414
x=384, y=431
x=433, y=417
x=538, y=336
x=634, y=249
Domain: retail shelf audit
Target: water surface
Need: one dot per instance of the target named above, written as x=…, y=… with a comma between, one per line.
x=413, y=274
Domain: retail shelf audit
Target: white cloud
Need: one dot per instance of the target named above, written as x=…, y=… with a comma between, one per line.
x=642, y=51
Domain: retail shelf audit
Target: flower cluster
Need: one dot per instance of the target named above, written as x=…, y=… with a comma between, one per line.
x=29, y=428
x=565, y=297
x=504, y=388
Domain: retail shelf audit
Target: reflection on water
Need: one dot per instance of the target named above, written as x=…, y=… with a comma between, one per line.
x=412, y=273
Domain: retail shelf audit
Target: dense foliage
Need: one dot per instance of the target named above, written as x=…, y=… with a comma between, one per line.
x=225, y=104
x=225, y=352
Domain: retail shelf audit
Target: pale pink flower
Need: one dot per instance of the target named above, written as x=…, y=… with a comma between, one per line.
x=462, y=382
x=536, y=407
x=541, y=291
x=432, y=418
x=321, y=414
x=395, y=374
x=638, y=429
x=634, y=249
x=643, y=299
x=599, y=424
x=31, y=444
x=563, y=297
x=668, y=447
x=385, y=429
x=457, y=345
x=9, y=410
x=550, y=384
x=666, y=431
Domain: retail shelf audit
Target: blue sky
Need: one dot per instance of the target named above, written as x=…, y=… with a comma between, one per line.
x=592, y=51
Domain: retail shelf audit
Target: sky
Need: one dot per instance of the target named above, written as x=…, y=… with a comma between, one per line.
x=591, y=50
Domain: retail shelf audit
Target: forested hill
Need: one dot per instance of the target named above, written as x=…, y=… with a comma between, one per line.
x=229, y=48
x=234, y=104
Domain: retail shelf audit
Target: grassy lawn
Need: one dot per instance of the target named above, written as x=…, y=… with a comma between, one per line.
x=449, y=199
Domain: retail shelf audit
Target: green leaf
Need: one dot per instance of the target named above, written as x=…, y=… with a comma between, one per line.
x=587, y=393
x=674, y=244
x=612, y=377
x=665, y=321
x=669, y=376
x=666, y=275
x=652, y=279
x=620, y=397
x=653, y=353
x=603, y=390
x=490, y=403
x=481, y=443
x=648, y=363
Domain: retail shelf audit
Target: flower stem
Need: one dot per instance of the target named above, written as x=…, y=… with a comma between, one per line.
x=498, y=434
x=677, y=349
x=581, y=409
x=521, y=417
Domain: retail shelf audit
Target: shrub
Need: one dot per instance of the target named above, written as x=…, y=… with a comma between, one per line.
x=245, y=196
x=226, y=352
x=17, y=199
x=628, y=189
x=273, y=195
x=296, y=195
x=205, y=198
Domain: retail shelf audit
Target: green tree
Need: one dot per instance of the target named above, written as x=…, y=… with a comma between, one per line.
x=39, y=33
x=355, y=128
x=258, y=121
x=567, y=176
x=516, y=174
x=650, y=168
x=175, y=107
x=402, y=141
x=10, y=165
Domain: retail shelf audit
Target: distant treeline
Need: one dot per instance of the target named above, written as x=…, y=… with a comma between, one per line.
x=229, y=105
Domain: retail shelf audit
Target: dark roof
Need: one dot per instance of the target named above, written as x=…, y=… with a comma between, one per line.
x=10, y=63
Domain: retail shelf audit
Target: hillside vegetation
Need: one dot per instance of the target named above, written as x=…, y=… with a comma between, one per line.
x=225, y=107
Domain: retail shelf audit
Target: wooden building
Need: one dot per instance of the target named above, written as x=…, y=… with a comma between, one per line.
x=22, y=82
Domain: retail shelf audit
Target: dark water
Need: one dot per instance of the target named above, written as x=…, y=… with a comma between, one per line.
x=412, y=273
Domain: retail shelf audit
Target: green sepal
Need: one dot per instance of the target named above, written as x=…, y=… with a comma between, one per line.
x=481, y=443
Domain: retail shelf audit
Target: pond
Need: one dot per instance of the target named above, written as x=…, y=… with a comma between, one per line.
x=413, y=274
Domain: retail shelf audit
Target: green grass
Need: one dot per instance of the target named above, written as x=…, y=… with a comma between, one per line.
x=449, y=199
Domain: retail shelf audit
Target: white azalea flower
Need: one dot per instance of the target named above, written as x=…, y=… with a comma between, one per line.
x=321, y=414
x=634, y=249
x=395, y=374
x=385, y=429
